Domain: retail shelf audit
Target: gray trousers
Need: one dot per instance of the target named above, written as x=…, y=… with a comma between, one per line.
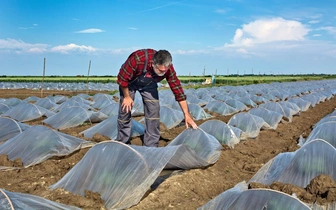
x=150, y=99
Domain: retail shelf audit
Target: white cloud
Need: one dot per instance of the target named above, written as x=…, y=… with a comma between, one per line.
x=269, y=30
x=90, y=31
x=184, y=52
x=36, y=50
x=30, y=27
x=314, y=21
x=65, y=49
x=331, y=52
x=221, y=11
x=241, y=50
x=159, y=7
x=132, y=28
x=18, y=46
x=316, y=16
x=330, y=29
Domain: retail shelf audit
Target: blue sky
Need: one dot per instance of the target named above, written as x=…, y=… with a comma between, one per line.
x=223, y=36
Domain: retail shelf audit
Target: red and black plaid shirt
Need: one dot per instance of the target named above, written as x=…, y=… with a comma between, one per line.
x=134, y=65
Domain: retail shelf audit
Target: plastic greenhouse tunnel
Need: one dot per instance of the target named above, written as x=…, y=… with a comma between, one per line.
x=11, y=102
x=198, y=149
x=166, y=97
x=247, y=101
x=281, y=109
x=299, y=167
x=303, y=104
x=291, y=105
x=220, y=108
x=38, y=143
x=270, y=97
x=326, y=119
x=102, y=96
x=237, y=104
x=72, y=117
x=138, y=108
x=10, y=128
x=223, y=97
x=170, y=117
x=271, y=118
x=325, y=131
x=332, y=114
x=111, y=109
x=248, y=123
x=240, y=197
x=109, y=127
x=198, y=112
x=12, y=201
x=259, y=99
x=4, y=108
x=72, y=103
x=207, y=98
x=282, y=95
x=80, y=100
x=224, y=133
x=194, y=100
x=46, y=103
x=122, y=173
x=312, y=98
x=25, y=112
x=102, y=102
x=31, y=99
x=84, y=96
x=58, y=99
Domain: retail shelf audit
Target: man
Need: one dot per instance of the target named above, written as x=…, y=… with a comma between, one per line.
x=141, y=72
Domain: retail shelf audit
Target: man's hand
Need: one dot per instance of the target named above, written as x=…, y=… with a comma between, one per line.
x=190, y=121
x=127, y=104
x=187, y=118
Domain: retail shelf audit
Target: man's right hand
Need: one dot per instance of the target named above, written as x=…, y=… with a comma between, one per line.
x=127, y=104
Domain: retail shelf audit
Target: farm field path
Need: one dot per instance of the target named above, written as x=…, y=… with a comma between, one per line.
x=188, y=189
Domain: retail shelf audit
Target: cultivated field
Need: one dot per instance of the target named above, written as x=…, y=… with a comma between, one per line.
x=232, y=79
x=187, y=189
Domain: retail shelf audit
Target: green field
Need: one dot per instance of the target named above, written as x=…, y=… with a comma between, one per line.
x=220, y=79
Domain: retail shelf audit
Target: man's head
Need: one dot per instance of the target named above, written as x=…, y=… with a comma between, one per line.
x=161, y=62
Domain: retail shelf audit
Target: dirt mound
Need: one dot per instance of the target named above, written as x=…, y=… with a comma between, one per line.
x=321, y=189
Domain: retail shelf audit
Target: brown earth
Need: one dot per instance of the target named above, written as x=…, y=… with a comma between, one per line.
x=187, y=189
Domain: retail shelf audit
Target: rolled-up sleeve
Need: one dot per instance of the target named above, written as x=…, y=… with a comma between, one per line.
x=175, y=85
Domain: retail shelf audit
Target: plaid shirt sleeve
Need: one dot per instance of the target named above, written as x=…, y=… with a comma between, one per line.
x=175, y=85
x=132, y=67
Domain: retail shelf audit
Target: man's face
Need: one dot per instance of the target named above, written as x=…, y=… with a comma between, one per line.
x=160, y=70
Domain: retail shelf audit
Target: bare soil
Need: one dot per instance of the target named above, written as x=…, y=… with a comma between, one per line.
x=187, y=189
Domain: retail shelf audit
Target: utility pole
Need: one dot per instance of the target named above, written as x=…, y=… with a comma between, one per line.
x=244, y=77
x=227, y=74
x=237, y=77
x=87, y=79
x=42, y=86
x=252, y=76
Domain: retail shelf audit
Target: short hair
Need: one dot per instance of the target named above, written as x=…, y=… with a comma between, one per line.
x=162, y=57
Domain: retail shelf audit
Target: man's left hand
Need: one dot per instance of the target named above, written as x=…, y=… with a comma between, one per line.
x=190, y=121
